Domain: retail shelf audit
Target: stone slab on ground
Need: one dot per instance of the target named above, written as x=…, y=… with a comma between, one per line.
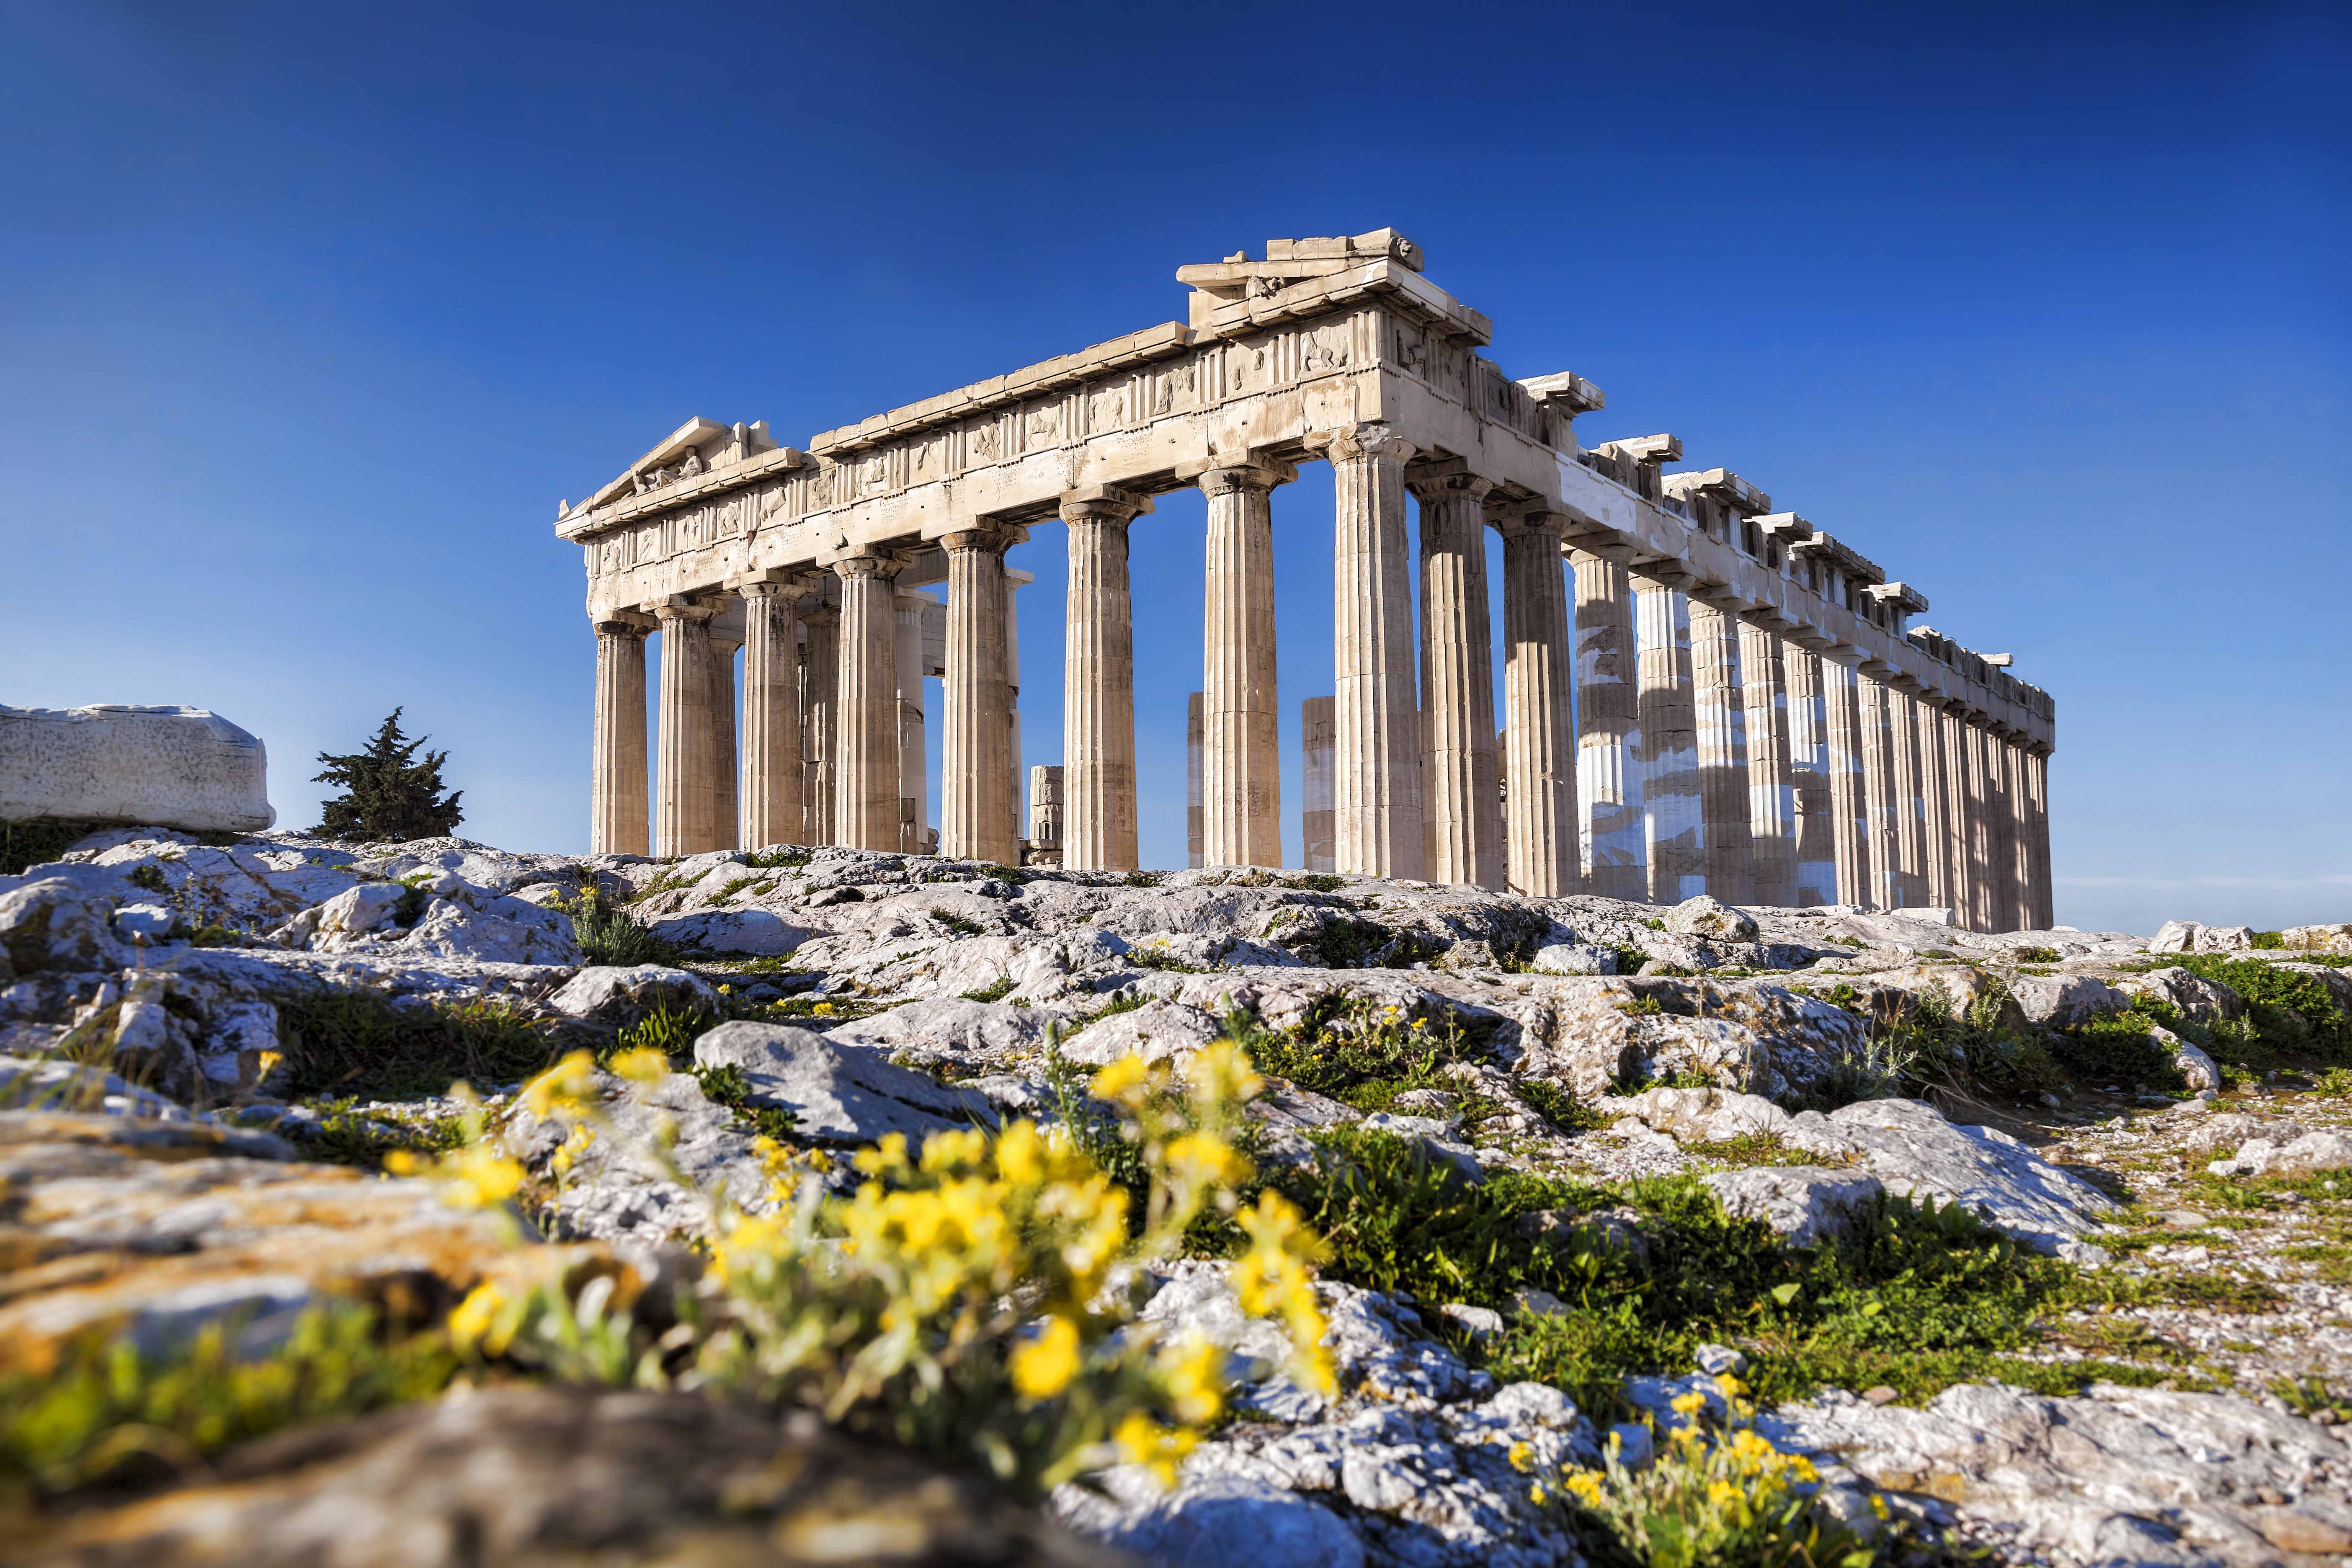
x=180, y=767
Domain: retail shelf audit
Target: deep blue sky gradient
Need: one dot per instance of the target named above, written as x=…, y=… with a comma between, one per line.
x=309, y=316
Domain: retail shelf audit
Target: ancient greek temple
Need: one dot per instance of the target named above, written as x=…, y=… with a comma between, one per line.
x=1700, y=693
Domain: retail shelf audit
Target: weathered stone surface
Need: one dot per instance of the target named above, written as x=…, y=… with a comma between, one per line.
x=2058, y=1000
x=2324, y=1150
x=754, y=931
x=839, y=1093
x=1908, y=1145
x=1154, y=1031
x=622, y=1189
x=549, y=1474
x=2120, y=1475
x=2204, y=1001
x=2188, y=936
x=2197, y=1069
x=154, y=1229
x=620, y=995
x=955, y=1029
x=182, y=767
x=1710, y=917
x=1574, y=958
x=1806, y=1204
x=56, y=924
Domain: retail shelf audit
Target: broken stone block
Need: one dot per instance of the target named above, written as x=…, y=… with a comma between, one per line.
x=178, y=767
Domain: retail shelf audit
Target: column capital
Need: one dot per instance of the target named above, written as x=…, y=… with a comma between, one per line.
x=682, y=607
x=785, y=582
x=1433, y=480
x=1103, y=502
x=1217, y=479
x=1372, y=440
x=869, y=563
x=1528, y=523
x=1666, y=574
x=622, y=623
x=983, y=535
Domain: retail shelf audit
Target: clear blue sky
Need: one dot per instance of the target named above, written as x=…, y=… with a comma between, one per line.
x=308, y=315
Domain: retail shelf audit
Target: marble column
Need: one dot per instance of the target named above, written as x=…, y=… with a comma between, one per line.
x=1241, y=755
x=2037, y=795
x=1771, y=793
x=1461, y=803
x=683, y=796
x=1982, y=892
x=1016, y=825
x=1952, y=724
x=1538, y=721
x=914, y=751
x=1935, y=800
x=1910, y=810
x=1376, y=789
x=821, y=682
x=1098, y=817
x=1191, y=781
x=1809, y=775
x=867, y=754
x=1669, y=748
x=975, y=816
x=726, y=806
x=1875, y=739
x=1721, y=710
x=1047, y=821
x=772, y=805
x=617, y=814
x=1316, y=728
x=1849, y=794
x=1608, y=727
x=2022, y=902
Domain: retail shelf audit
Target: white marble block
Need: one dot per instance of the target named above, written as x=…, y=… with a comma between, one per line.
x=171, y=767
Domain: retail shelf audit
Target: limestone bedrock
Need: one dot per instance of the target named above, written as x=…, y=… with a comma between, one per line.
x=173, y=767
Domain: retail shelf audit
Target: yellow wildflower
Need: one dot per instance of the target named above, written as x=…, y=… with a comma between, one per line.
x=1221, y=1073
x=1160, y=1449
x=1121, y=1078
x=1203, y=1160
x=1535, y=1493
x=573, y=1147
x=1522, y=1456
x=822, y=1009
x=482, y=1319
x=1689, y=1404
x=566, y=1086
x=642, y=1065
x=1585, y=1485
x=1196, y=1383
x=1044, y=1363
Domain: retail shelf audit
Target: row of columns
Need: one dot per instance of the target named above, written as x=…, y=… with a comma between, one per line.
x=1653, y=744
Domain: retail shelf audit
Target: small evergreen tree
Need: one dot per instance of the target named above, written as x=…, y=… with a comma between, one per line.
x=389, y=796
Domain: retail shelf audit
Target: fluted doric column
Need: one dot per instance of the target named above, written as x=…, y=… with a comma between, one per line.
x=1241, y=755
x=1935, y=799
x=1538, y=723
x=617, y=814
x=1951, y=724
x=726, y=806
x=2022, y=901
x=1193, y=809
x=1462, y=807
x=821, y=683
x=976, y=812
x=1376, y=793
x=1809, y=775
x=914, y=753
x=867, y=754
x=1849, y=793
x=2037, y=799
x=1097, y=794
x=1316, y=736
x=1910, y=802
x=683, y=797
x=1983, y=890
x=1669, y=748
x=1721, y=712
x=1876, y=740
x=1772, y=793
x=772, y=806
x=1609, y=729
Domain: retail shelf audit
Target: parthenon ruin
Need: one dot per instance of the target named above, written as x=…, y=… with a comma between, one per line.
x=1745, y=708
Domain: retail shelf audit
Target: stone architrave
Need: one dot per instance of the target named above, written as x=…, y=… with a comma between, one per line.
x=1540, y=741
x=1771, y=795
x=618, y=816
x=866, y=792
x=1193, y=811
x=1849, y=794
x=914, y=780
x=1376, y=785
x=1881, y=792
x=1809, y=775
x=821, y=682
x=1241, y=755
x=1669, y=749
x=1720, y=708
x=726, y=807
x=975, y=816
x=1316, y=734
x=1096, y=815
x=1461, y=781
x=684, y=795
x=773, y=809
x=1609, y=730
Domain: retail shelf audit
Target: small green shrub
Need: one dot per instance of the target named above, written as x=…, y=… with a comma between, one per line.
x=1360, y=1053
x=2268, y=939
x=607, y=935
x=2115, y=1050
x=2293, y=1018
x=726, y=1084
x=361, y=1043
x=2035, y=955
x=1155, y=955
x=783, y=859
x=1316, y=883
x=1143, y=879
x=148, y=877
x=996, y=990
x=957, y=924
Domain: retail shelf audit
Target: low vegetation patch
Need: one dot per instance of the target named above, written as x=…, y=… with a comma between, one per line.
x=1363, y=1054
x=36, y=841
x=607, y=935
x=362, y=1044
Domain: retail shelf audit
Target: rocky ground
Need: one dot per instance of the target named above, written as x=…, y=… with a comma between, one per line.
x=211, y=1046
